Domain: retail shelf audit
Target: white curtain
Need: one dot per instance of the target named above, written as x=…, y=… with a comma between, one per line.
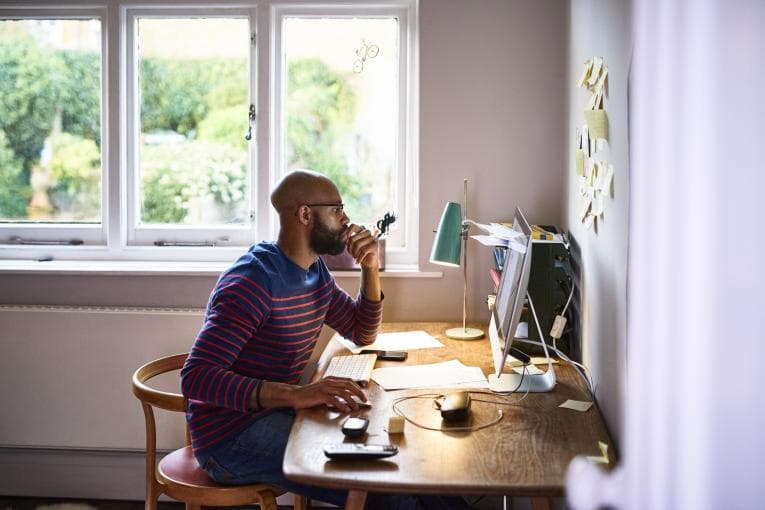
x=695, y=412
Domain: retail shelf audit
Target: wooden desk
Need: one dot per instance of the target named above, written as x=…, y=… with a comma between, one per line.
x=525, y=454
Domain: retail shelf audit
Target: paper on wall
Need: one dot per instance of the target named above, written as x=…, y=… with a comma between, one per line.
x=605, y=183
x=585, y=72
x=595, y=73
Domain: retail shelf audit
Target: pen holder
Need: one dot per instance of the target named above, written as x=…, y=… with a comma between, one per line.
x=344, y=261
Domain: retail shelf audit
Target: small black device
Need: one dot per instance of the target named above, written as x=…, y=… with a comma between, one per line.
x=355, y=426
x=360, y=451
x=387, y=355
x=455, y=406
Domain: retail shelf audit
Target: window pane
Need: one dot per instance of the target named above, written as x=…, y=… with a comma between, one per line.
x=342, y=107
x=193, y=78
x=50, y=120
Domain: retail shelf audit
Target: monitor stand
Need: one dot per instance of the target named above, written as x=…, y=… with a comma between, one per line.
x=507, y=383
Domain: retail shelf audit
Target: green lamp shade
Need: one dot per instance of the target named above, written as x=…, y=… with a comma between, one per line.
x=447, y=246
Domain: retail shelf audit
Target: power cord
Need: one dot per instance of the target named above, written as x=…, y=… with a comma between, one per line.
x=435, y=396
x=555, y=333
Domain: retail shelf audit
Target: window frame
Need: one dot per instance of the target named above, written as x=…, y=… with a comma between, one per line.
x=145, y=235
x=407, y=143
x=116, y=238
x=90, y=234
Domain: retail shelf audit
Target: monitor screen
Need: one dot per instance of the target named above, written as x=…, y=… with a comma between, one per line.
x=511, y=293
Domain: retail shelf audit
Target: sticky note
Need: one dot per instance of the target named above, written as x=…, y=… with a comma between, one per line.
x=601, y=85
x=597, y=63
x=529, y=370
x=597, y=204
x=585, y=73
x=396, y=424
x=586, y=140
x=579, y=162
x=588, y=221
x=585, y=209
x=576, y=405
x=603, y=459
x=597, y=123
x=605, y=181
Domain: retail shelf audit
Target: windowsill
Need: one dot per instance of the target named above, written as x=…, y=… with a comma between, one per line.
x=166, y=268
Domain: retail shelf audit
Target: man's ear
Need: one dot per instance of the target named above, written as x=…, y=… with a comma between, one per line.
x=304, y=215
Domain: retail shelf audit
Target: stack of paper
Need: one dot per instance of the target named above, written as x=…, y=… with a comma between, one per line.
x=399, y=341
x=447, y=374
x=500, y=235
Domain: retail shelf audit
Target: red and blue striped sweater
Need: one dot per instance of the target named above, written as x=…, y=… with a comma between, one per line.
x=262, y=322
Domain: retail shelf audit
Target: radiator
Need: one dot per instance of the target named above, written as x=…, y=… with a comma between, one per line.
x=65, y=375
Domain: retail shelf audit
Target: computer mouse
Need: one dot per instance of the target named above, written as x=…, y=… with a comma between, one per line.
x=455, y=406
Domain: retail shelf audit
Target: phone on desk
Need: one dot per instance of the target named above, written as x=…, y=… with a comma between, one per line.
x=387, y=355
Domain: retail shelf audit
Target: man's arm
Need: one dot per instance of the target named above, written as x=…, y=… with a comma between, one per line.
x=363, y=247
x=236, y=309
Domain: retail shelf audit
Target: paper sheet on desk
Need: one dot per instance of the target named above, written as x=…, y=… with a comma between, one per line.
x=398, y=341
x=437, y=375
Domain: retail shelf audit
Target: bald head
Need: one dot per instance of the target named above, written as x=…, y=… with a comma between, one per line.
x=302, y=187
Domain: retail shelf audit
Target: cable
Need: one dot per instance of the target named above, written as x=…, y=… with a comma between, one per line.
x=568, y=301
x=435, y=396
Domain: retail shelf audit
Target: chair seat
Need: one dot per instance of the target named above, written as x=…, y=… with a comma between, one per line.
x=186, y=480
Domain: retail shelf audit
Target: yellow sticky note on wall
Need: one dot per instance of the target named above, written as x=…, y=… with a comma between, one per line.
x=579, y=162
x=597, y=123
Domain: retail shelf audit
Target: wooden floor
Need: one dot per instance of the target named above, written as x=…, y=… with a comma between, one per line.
x=9, y=503
x=13, y=503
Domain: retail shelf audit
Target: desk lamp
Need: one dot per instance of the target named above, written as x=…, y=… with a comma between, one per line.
x=451, y=240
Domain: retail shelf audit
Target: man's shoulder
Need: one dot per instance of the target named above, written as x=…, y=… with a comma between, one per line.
x=259, y=264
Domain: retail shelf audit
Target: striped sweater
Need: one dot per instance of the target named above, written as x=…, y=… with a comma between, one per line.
x=262, y=322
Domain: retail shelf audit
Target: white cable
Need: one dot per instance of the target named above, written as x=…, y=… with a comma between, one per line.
x=568, y=301
x=586, y=376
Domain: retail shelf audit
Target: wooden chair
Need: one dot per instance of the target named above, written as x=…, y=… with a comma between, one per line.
x=178, y=474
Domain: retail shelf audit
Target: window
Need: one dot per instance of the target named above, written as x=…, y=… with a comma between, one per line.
x=51, y=141
x=163, y=152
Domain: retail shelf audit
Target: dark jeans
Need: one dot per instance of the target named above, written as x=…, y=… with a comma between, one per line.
x=256, y=455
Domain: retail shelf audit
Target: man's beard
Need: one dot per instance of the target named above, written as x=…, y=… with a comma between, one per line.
x=324, y=241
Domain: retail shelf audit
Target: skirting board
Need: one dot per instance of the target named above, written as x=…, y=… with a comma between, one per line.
x=77, y=474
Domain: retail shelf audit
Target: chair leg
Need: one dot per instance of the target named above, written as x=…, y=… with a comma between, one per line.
x=267, y=500
x=302, y=503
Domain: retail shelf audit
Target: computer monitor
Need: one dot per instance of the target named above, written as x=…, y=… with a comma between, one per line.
x=508, y=307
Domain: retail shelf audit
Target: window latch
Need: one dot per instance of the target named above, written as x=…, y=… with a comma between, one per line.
x=185, y=244
x=41, y=242
x=250, y=120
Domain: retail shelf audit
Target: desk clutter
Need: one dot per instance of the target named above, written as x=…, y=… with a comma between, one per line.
x=514, y=430
x=550, y=282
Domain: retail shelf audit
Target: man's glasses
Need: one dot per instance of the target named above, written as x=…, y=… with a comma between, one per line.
x=336, y=208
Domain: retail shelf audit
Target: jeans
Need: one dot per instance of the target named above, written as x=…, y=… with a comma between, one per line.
x=256, y=456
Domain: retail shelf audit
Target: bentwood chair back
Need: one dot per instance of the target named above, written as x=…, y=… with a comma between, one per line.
x=178, y=474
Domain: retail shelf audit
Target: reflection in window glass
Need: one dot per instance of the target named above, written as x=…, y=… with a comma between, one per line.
x=50, y=120
x=193, y=78
x=342, y=107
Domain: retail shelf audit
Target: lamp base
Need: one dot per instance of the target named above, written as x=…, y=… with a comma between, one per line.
x=464, y=333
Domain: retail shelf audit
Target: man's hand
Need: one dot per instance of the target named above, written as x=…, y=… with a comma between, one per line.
x=362, y=246
x=331, y=391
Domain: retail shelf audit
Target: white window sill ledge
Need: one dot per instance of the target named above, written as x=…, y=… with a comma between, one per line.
x=166, y=268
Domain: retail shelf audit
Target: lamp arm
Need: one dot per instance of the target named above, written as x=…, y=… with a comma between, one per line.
x=466, y=224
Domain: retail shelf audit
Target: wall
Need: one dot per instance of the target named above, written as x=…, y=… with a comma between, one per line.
x=492, y=103
x=602, y=28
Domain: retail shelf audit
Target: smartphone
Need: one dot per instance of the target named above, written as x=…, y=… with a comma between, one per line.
x=387, y=355
x=355, y=426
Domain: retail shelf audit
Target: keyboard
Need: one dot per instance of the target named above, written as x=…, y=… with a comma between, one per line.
x=357, y=367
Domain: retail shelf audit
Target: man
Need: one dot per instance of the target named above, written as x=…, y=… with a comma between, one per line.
x=262, y=322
